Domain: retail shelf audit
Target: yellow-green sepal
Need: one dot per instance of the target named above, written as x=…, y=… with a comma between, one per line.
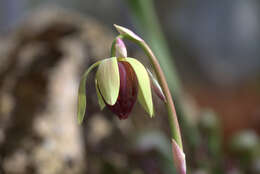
x=100, y=99
x=144, y=92
x=108, y=80
x=130, y=34
x=82, y=93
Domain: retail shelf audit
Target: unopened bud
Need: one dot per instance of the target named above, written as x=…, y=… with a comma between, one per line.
x=178, y=158
x=120, y=48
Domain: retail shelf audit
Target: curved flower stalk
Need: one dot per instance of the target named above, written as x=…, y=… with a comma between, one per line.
x=121, y=80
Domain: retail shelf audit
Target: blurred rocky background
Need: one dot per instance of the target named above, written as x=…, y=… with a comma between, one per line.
x=45, y=46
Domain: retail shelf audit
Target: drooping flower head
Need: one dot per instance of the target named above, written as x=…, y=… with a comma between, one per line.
x=127, y=91
x=120, y=81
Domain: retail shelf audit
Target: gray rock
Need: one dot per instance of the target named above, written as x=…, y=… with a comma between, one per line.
x=41, y=64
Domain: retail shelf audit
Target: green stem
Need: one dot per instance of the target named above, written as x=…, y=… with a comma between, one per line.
x=145, y=18
x=173, y=120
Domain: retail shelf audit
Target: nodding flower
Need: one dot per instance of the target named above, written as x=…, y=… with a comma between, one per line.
x=120, y=81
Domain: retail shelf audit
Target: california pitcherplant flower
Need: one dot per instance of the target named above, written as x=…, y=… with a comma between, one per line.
x=121, y=80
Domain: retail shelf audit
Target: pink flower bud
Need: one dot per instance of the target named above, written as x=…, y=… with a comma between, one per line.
x=120, y=48
x=178, y=158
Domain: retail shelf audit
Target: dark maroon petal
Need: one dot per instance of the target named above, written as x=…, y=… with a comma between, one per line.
x=127, y=92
